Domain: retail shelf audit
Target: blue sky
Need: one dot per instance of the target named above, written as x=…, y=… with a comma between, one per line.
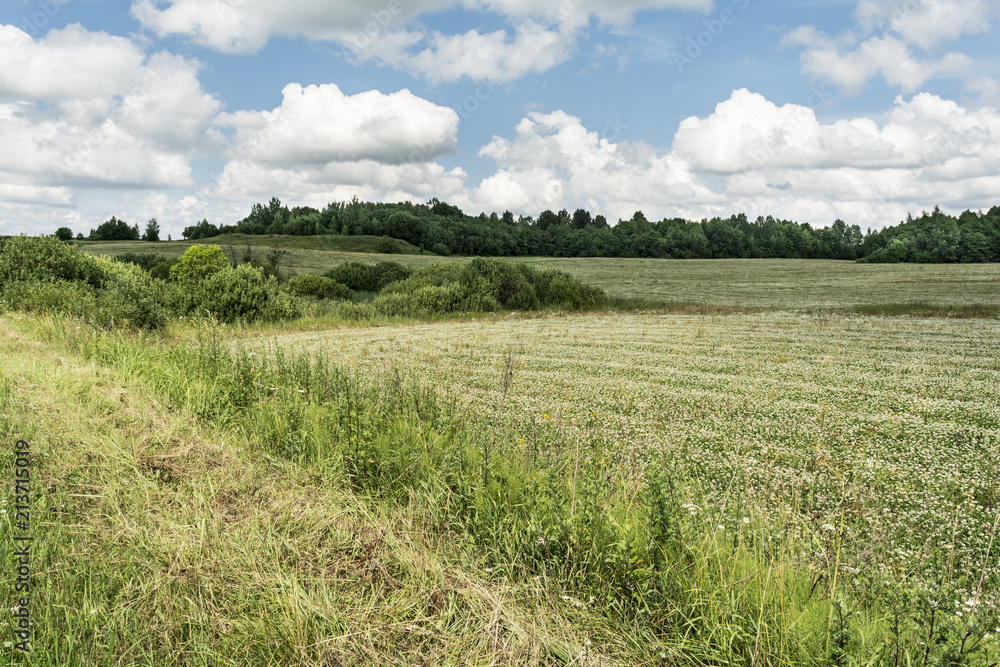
x=187, y=109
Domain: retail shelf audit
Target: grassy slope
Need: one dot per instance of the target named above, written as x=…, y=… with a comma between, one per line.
x=163, y=541
x=779, y=283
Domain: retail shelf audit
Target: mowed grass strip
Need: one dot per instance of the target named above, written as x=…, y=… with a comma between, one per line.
x=160, y=540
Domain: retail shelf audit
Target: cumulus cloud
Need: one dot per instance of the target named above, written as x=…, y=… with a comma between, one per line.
x=82, y=110
x=542, y=32
x=323, y=143
x=749, y=132
x=888, y=57
x=320, y=124
x=50, y=151
x=493, y=56
x=368, y=180
x=755, y=156
x=927, y=150
x=883, y=42
x=67, y=64
x=555, y=162
x=924, y=23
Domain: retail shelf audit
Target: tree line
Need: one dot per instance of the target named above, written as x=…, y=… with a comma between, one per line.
x=444, y=229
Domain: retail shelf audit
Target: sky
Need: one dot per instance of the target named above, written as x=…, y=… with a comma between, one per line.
x=810, y=110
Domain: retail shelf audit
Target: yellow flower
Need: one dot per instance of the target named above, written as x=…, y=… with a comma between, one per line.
x=546, y=416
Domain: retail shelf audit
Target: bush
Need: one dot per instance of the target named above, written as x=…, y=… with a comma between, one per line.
x=144, y=260
x=319, y=287
x=231, y=295
x=509, y=284
x=439, y=273
x=368, y=277
x=440, y=249
x=161, y=270
x=44, y=297
x=387, y=245
x=199, y=262
x=40, y=259
x=427, y=300
x=130, y=298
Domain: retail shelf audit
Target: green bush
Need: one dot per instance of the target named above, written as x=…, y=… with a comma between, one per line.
x=319, y=287
x=387, y=246
x=368, y=277
x=231, y=295
x=440, y=249
x=46, y=297
x=144, y=260
x=42, y=259
x=161, y=270
x=131, y=298
x=508, y=283
x=280, y=306
x=199, y=262
x=439, y=273
x=484, y=285
x=427, y=300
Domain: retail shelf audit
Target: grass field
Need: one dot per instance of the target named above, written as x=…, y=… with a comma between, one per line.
x=795, y=284
x=904, y=412
x=785, y=472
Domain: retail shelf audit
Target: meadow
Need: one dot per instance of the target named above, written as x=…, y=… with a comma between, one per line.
x=769, y=462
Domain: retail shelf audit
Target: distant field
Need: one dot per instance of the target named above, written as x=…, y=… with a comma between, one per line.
x=774, y=283
x=771, y=414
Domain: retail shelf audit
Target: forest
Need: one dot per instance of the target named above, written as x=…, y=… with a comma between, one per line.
x=934, y=237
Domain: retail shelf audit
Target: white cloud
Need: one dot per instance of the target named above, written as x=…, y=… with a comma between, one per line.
x=882, y=44
x=555, y=162
x=169, y=107
x=924, y=23
x=320, y=124
x=887, y=57
x=755, y=156
x=67, y=64
x=368, y=180
x=82, y=110
x=543, y=31
x=48, y=151
x=748, y=132
x=927, y=151
x=490, y=57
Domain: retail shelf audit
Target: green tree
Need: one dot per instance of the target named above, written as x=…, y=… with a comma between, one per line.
x=64, y=234
x=198, y=262
x=152, y=231
x=115, y=230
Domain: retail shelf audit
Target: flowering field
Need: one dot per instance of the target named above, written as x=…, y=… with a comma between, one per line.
x=872, y=442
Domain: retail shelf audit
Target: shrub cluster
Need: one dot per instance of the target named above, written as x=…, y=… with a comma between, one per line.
x=482, y=285
x=45, y=274
x=143, y=290
x=368, y=277
x=136, y=291
x=318, y=287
